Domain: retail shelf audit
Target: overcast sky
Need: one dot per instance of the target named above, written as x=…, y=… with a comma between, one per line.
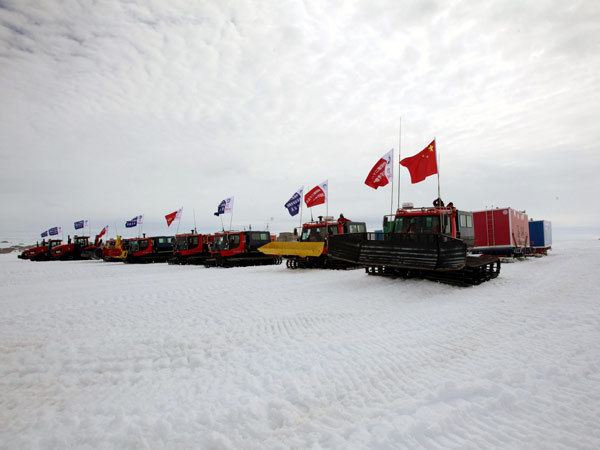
x=116, y=108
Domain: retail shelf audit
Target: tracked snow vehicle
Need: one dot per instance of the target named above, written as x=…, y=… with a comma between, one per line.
x=240, y=248
x=77, y=248
x=311, y=251
x=428, y=243
x=115, y=250
x=191, y=248
x=149, y=249
x=40, y=252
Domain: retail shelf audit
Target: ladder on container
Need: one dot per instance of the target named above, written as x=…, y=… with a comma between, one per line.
x=489, y=225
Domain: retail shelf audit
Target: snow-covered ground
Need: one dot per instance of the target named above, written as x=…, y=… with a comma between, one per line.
x=108, y=355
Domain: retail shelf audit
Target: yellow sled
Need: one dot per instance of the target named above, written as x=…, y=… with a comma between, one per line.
x=301, y=249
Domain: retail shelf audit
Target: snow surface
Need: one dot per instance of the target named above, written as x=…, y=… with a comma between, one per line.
x=108, y=355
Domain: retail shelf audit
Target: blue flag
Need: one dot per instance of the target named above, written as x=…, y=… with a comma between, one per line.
x=220, y=209
x=293, y=204
x=226, y=206
x=78, y=224
x=53, y=231
x=45, y=233
x=131, y=223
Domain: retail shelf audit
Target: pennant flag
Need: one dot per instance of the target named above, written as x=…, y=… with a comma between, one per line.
x=103, y=232
x=45, y=234
x=293, y=204
x=422, y=164
x=81, y=224
x=54, y=231
x=382, y=172
x=174, y=215
x=317, y=195
x=226, y=206
x=140, y=219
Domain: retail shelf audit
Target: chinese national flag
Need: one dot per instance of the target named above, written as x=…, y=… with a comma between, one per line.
x=422, y=164
x=170, y=218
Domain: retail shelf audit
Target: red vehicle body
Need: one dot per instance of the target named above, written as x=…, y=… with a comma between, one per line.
x=501, y=231
x=40, y=252
x=191, y=248
x=78, y=248
x=149, y=249
x=113, y=250
x=240, y=248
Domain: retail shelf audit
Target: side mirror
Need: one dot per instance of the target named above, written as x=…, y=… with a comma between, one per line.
x=385, y=222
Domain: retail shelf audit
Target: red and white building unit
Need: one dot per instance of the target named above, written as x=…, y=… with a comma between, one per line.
x=501, y=231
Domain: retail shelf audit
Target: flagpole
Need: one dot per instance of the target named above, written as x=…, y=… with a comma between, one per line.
x=179, y=222
x=437, y=162
x=231, y=219
x=399, y=158
x=195, y=229
x=301, y=201
x=438, y=166
x=392, y=189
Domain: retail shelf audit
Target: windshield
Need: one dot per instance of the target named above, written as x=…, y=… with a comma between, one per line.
x=181, y=243
x=226, y=242
x=133, y=246
x=81, y=240
x=314, y=234
x=356, y=227
x=421, y=224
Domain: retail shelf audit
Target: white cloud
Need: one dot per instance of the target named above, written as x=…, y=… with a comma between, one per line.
x=114, y=107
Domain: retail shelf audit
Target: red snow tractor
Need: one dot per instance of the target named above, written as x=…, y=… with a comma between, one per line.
x=191, y=248
x=42, y=251
x=149, y=249
x=311, y=250
x=77, y=248
x=429, y=243
x=240, y=248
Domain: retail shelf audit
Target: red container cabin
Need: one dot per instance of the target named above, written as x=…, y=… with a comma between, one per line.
x=40, y=252
x=501, y=231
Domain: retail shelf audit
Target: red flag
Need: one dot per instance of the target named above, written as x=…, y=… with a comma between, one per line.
x=381, y=173
x=103, y=232
x=317, y=195
x=422, y=164
x=174, y=215
x=170, y=218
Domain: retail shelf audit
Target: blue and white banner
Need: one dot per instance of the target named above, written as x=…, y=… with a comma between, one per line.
x=54, y=231
x=81, y=224
x=137, y=220
x=226, y=206
x=294, y=203
x=45, y=234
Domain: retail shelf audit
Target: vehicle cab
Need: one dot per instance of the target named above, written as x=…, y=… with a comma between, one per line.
x=441, y=220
